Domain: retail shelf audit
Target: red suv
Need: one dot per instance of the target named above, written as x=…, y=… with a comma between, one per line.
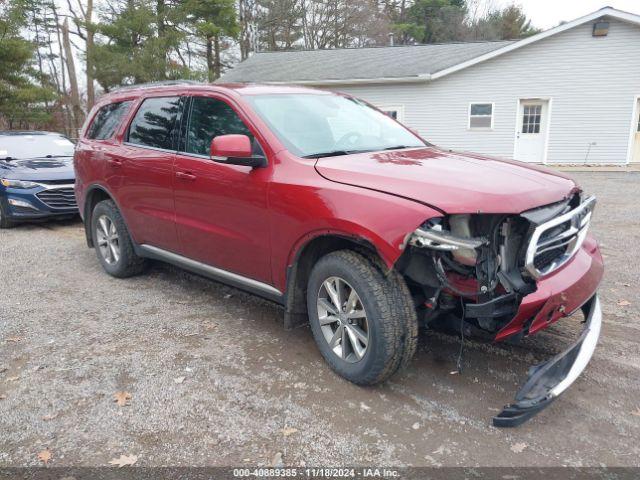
x=352, y=222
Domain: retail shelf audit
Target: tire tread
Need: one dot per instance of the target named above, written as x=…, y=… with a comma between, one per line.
x=397, y=316
x=132, y=264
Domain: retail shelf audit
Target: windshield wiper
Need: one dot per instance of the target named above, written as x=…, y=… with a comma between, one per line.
x=54, y=156
x=334, y=153
x=398, y=147
x=43, y=157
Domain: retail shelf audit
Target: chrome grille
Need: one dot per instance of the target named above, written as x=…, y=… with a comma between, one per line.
x=58, y=197
x=555, y=242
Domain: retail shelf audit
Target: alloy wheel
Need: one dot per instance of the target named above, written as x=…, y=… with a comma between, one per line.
x=108, y=240
x=343, y=319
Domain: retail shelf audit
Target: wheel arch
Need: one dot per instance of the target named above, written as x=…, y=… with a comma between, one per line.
x=94, y=195
x=305, y=257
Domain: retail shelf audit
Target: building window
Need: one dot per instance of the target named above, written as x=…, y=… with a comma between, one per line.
x=394, y=111
x=481, y=116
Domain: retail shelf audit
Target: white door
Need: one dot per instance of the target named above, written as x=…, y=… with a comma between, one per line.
x=636, y=143
x=531, y=136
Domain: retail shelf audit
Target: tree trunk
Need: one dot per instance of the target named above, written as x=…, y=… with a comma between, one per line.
x=160, y=12
x=217, y=67
x=336, y=25
x=403, y=9
x=91, y=95
x=210, y=70
x=68, y=126
x=73, y=80
x=245, y=15
x=243, y=28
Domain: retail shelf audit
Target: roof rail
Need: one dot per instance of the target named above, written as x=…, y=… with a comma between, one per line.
x=163, y=83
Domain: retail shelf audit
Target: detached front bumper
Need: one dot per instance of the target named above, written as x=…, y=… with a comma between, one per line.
x=548, y=380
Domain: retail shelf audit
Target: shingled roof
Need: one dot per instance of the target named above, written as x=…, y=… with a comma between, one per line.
x=390, y=64
x=357, y=63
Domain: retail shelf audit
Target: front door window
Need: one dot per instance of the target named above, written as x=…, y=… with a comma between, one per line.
x=531, y=118
x=210, y=118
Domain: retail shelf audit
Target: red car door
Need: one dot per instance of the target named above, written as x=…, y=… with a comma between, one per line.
x=221, y=210
x=146, y=160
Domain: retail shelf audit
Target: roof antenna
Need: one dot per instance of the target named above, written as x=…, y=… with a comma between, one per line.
x=391, y=39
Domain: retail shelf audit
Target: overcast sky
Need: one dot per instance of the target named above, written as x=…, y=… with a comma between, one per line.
x=549, y=13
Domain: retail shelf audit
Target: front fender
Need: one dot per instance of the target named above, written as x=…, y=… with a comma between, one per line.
x=301, y=214
x=86, y=206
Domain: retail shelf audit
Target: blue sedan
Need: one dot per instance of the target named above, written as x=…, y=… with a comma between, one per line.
x=36, y=177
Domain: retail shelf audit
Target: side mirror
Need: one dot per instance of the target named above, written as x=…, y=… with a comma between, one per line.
x=235, y=150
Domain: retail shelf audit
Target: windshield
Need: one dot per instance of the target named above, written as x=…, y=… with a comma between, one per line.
x=34, y=146
x=312, y=125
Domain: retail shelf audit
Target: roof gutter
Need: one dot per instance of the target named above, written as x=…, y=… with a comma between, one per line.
x=357, y=81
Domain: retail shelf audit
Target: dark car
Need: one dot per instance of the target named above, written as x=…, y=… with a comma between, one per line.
x=36, y=177
x=349, y=220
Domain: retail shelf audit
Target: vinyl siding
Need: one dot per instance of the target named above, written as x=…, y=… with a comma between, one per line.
x=591, y=81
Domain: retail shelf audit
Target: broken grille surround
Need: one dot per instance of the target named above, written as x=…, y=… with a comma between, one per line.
x=572, y=238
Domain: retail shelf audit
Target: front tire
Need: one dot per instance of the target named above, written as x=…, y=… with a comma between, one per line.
x=112, y=242
x=364, y=322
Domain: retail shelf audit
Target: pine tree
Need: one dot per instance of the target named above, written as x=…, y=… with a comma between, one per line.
x=25, y=92
x=212, y=21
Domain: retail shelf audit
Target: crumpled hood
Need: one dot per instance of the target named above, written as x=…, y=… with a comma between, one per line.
x=39, y=169
x=452, y=182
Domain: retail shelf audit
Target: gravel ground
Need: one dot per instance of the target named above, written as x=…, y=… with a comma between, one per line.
x=214, y=379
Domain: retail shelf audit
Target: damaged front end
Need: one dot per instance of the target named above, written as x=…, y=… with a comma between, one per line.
x=467, y=266
x=470, y=273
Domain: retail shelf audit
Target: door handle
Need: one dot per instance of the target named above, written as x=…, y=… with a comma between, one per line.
x=185, y=176
x=114, y=162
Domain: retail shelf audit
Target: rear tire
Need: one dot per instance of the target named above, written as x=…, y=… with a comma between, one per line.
x=112, y=242
x=375, y=310
x=4, y=219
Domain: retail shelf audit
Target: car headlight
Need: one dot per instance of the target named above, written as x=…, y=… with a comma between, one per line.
x=432, y=235
x=7, y=182
x=457, y=240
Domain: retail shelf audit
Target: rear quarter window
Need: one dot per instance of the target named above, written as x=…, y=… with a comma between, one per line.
x=107, y=119
x=155, y=122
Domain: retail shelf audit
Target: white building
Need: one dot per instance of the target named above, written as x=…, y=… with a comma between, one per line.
x=567, y=95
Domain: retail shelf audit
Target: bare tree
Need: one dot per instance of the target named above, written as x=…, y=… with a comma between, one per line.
x=68, y=122
x=246, y=17
x=85, y=30
x=73, y=79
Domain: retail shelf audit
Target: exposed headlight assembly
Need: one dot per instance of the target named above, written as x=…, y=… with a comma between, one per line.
x=432, y=235
x=7, y=182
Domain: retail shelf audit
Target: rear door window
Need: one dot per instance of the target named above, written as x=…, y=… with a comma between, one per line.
x=154, y=124
x=211, y=118
x=107, y=120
